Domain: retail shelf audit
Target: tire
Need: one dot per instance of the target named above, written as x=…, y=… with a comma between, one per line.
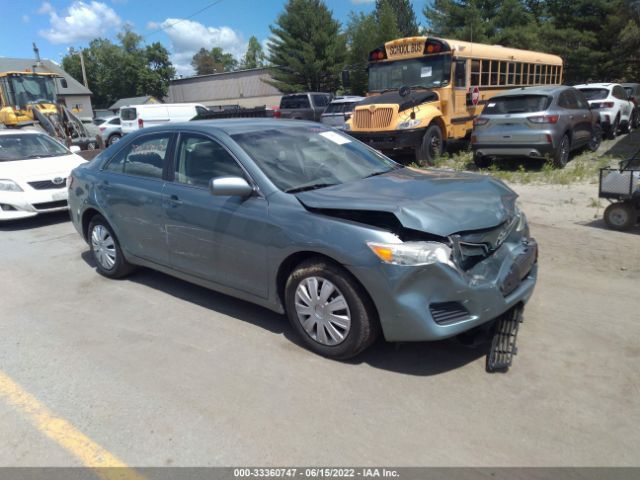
x=561, y=154
x=626, y=127
x=105, y=249
x=113, y=139
x=596, y=139
x=613, y=129
x=482, y=161
x=431, y=147
x=91, y=146
x=620, y=216
x=635, y=119
x=308, y=311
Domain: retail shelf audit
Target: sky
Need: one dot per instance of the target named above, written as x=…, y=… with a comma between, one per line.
x=182, y=26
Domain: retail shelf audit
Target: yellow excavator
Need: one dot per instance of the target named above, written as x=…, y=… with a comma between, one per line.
x=30, y=99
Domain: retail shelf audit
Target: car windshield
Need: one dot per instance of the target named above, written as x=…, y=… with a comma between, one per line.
x=340, y=107
x=416, y=72
x=517, y=104
x=304, y=158
x=29, y=146
x=595, y=93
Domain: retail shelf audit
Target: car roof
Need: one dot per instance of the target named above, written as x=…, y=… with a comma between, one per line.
x=538, y=90
x=232, y=126
x=597, y=85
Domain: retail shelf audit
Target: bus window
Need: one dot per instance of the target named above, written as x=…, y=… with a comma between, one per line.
x=485, y=72
x=532, y=74
x=475, y=72
x=502, y=73
x=495, y=66
x=461, y=74
x=511, y=74
x=518, y=75
x=538, y=68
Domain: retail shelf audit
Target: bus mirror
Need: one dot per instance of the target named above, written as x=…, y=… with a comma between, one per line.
x=63, y=82
x=346, y=81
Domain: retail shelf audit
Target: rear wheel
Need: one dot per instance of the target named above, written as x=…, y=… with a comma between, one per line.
x=619, y=216
x=561, y=155
x=106, y=250
x=431, y=147
x=596, y=139
x=330, y=311
x=482, y=161
x=613, y=129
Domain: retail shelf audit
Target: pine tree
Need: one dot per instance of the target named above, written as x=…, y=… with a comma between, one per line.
x=254, y=58
x=387, y=23
x=361, y=40
x=406, y=21
x=308, y=51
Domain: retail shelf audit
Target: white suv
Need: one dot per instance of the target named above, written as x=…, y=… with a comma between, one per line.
x=610, y=100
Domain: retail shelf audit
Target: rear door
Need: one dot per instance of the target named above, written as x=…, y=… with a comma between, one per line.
x=130, y=192
x=583, y=118
x=129, y=119
x=217, y=238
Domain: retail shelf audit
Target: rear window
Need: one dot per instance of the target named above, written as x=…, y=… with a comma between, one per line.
x=517, y=104
x=321, y=100
x=595, y=93
x=114, y=121
x=341, y=107
x=128, y=113
x=295, y=101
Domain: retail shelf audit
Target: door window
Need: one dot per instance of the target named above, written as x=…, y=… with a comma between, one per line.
x=618, y=92
x=144, y=157
x=321, y=100
x=200, y=159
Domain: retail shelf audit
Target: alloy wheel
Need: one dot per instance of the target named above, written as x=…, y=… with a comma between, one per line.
x=322, y=311
x=103, y=246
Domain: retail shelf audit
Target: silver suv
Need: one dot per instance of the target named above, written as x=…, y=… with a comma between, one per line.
x=337, y=111
x=536, y=122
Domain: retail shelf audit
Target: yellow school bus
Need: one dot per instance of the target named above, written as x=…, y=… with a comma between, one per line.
x=424, y=91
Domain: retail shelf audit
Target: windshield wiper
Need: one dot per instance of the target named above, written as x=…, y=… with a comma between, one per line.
x=304, y=188
x=381, y=172
x=42, y=155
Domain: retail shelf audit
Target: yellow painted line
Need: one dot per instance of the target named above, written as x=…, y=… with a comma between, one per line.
x=92, y=455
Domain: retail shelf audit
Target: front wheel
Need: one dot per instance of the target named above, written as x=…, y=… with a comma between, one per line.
x=330, y=311
x=431, y=147
x=106, y=250
x=561, y=155
x=619, y=216
x=113, y=139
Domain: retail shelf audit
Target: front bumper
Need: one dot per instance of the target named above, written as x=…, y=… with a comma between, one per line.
x=408, y=298
x=18, y=205
x=392, y=140
x=540, y=150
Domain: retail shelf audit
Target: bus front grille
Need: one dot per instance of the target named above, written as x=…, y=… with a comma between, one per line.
x=364, y=118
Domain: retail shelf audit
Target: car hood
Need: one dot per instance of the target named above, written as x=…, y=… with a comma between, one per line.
x=435, y=201
x=40, y=167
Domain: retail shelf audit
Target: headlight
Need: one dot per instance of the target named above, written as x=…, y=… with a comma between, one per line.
x=409, y=123
x=9, y=186
x=412, y=253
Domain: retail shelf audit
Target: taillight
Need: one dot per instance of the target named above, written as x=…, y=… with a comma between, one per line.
x=606, y=105
x=140, y=123
x=549, y=139
x=479, y=121
x=544, y=119
x=276, y=113
x=102, y=129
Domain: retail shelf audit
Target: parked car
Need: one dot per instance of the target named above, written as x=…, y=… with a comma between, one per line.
x=110, y=130
x=99, y=121
x=306, y=220
x=613, y=104
x=338, y=109
x=535, y=122
x=33, y=173
x=633, y=92
x=135, y=117
x=304, y=106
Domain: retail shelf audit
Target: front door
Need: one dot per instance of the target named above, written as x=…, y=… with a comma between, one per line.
x=132, y=189
x=217, y=238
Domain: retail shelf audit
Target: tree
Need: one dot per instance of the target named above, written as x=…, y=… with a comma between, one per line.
x=387, y=23
x=361, y=39
x=125, y=70
x=406, y=22
x=308, y=50
x=254, y=58
x=215, y=60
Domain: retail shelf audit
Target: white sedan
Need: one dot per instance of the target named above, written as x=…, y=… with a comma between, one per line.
x=33, y=174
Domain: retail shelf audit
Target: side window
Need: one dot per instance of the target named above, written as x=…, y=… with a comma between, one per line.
x=114, y=121
x=495, y=67
x=320, y=100
x=582, y=101
x=563, y=100
x=199, y=159
x=461, y=74
x=618, y=92
x=485, y=72
x=201, y=110
x=144, y=157
x=475, y=72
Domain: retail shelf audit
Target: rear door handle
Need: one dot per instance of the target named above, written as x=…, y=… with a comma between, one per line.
x=174, y=201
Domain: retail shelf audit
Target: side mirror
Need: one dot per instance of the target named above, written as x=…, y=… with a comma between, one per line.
x=75, y=149
x=230, y=186
x=63, y=82
x=346, y=80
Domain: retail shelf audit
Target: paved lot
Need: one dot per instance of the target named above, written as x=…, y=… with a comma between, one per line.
x=160, y=372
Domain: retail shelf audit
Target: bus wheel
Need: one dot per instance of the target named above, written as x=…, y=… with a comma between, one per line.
x=431, y=146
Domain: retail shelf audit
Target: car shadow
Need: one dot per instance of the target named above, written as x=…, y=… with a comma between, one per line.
x=39, y=221
x=599, y=224
x=420, y=358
